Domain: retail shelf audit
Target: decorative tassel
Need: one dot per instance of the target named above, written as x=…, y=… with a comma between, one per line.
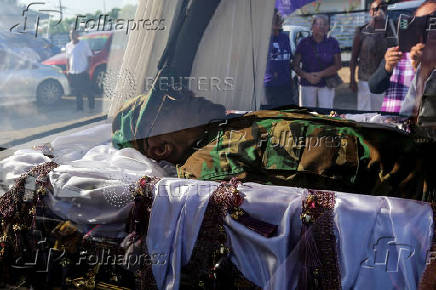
x=317, y=249
x=230, y=199
x=309, y=257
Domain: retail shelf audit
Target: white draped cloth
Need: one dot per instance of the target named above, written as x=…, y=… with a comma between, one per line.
x=91, y=185
x=382, y=242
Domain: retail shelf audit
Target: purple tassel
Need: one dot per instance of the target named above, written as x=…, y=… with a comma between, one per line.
x=309, y=257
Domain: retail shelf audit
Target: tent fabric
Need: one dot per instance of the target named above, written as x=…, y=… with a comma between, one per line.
x=143, y=52
x=184, y=42
x=233, y=48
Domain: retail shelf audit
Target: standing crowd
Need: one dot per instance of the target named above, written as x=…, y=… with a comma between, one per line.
x=316, y=61
x=388, y=80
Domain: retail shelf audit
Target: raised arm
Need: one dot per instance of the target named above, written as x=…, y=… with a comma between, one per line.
x=380, y=79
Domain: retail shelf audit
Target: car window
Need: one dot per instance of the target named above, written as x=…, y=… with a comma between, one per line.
x=300, y=35
x=11, y=61
x=96, y=43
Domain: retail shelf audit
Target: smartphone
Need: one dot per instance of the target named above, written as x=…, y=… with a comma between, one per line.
x=411, y=30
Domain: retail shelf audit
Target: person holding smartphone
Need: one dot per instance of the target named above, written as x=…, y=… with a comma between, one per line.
x=393, y=77
x=397, y=72
x=423, y=59
x=369, y=46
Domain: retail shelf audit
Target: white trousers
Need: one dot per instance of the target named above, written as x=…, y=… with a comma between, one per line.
x=366, y=101
x=317, y=97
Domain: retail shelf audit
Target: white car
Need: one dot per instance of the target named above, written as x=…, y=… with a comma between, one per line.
x=296, y=33
x=24, y=80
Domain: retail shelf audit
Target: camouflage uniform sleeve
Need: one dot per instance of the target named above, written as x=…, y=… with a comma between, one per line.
x=297, y=149
x=231, y=154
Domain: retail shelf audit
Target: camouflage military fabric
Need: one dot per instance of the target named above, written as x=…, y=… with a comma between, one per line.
x=126, y=123
x=296, y=148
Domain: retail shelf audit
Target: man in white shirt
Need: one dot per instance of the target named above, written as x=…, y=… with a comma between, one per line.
x=78, y=61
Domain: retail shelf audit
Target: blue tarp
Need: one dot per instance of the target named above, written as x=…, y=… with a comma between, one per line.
x=286, y=7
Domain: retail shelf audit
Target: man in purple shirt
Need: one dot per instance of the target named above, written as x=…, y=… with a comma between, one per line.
x=316, y=58
x=277, y=81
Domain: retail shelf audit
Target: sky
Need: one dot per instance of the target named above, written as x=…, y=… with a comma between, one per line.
x=75, y=7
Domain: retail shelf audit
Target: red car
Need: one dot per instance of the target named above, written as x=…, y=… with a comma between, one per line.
x=100, y=43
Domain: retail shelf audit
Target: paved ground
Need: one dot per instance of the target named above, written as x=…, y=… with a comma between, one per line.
x=48, y=138
x=23, y=120
x=345, y=98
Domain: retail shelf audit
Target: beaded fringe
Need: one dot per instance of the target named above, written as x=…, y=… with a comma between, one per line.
x=318, y=254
